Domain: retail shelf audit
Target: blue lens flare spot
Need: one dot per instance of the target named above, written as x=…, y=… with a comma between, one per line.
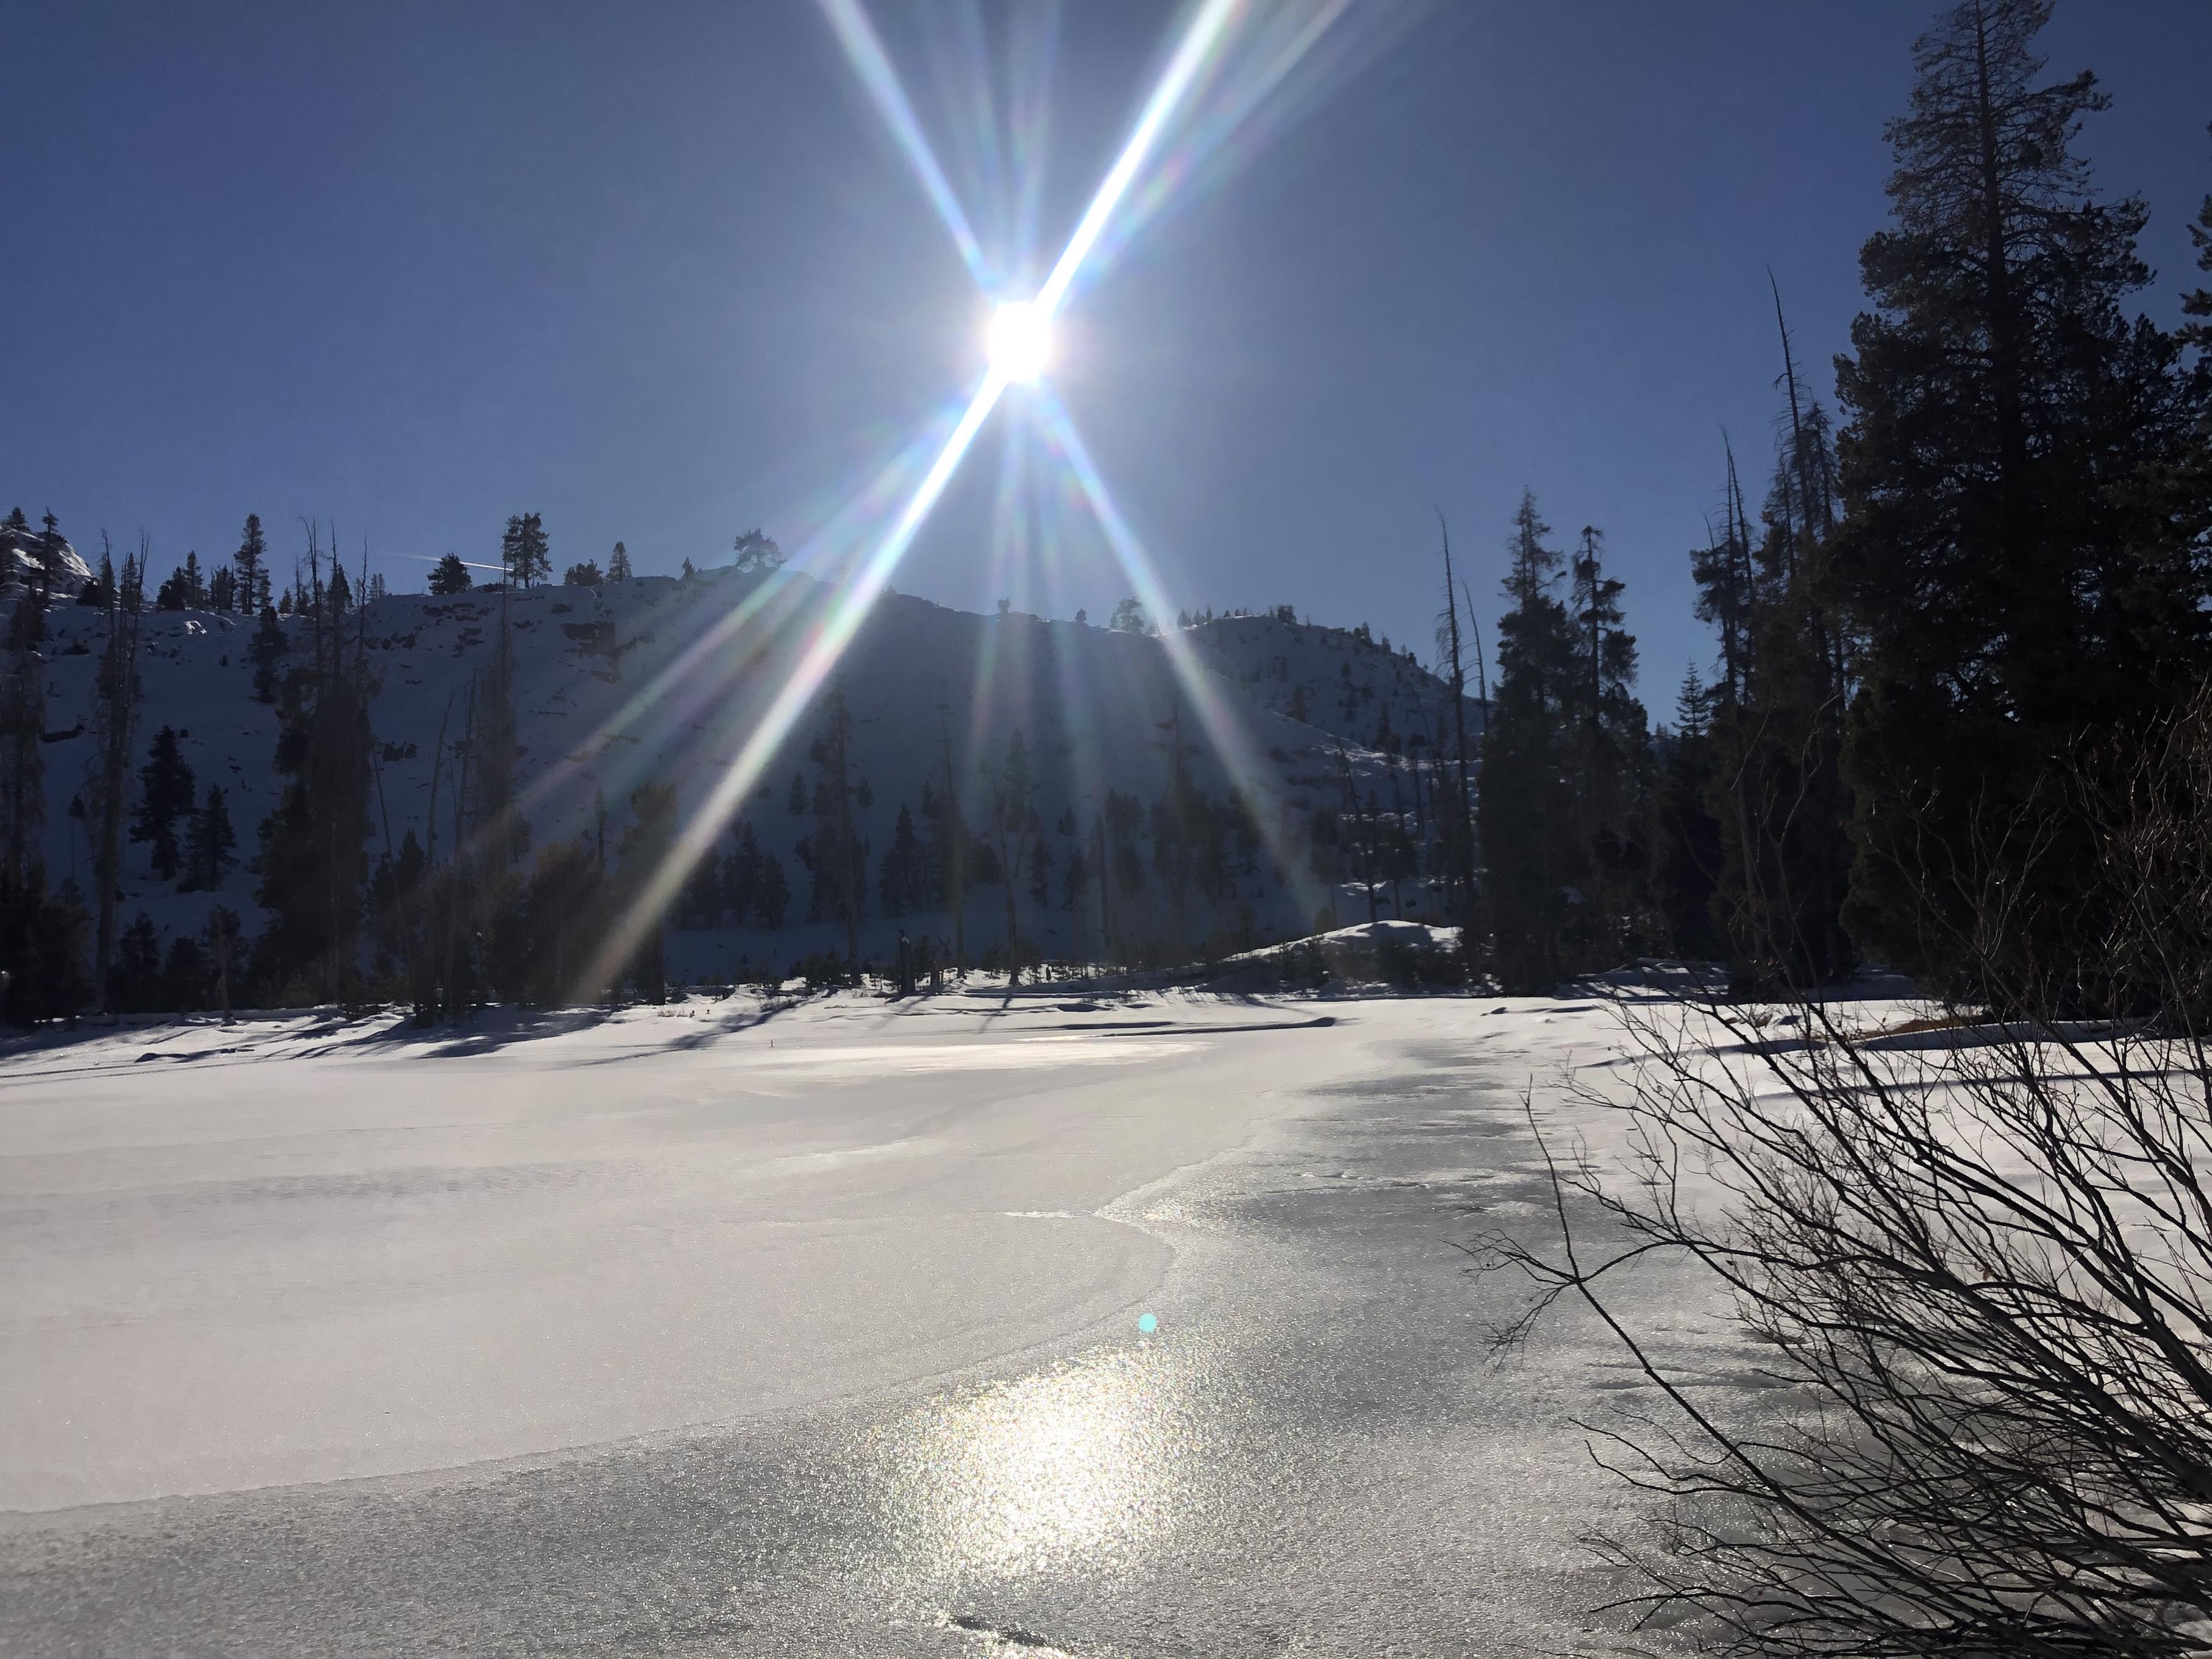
x=1147, y=1323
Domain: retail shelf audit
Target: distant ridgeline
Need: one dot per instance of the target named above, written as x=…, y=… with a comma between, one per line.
x=1006, y=788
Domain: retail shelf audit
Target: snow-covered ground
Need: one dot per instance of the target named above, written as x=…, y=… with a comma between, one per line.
x=806, y=1328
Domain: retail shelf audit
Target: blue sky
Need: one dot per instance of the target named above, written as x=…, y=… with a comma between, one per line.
x=656, y=273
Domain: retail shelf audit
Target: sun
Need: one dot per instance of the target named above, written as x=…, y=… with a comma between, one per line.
x=1021, y=342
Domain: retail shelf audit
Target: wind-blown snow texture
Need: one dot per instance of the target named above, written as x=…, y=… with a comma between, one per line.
x=662, y=680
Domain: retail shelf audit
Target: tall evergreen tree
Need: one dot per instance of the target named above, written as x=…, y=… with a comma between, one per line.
x=903, y=884
x=1524, y=810
x=773, y=900
x=166, y=794
x=524, y=551
x=839, y=858
x=269, y=643
x=645, y=846
x=210, y=844
x=118, y=690
x=2025, y=581
x=1687, y=855
x=22, y=754
x=741, y=876
x=1456, y=825
x=498, y=832
x=134, y=983
x=314, y=859
x=251, y=562
x=618, y=564
x=450, y=576
x=2197, y=304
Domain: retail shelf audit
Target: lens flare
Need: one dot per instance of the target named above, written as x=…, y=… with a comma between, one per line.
x=1198, y=46
x=1021, y=342
x=1233, y=745
x=864, y=49
x=815, y=664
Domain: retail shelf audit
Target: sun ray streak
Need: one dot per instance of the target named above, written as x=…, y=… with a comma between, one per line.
x=864, y=48
x=1227, y=132
x=1191, y=55
x=773, y=604
x=845, y=615
x=1232, y=745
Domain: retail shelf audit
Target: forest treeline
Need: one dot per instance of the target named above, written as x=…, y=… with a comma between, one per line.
x=1967, y=583
x=1959, y=602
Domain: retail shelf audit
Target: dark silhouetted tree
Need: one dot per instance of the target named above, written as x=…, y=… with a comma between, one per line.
x=524, y=551
x=250, y=563
x=166, y=794
x=450, y=576
x=2023, y=549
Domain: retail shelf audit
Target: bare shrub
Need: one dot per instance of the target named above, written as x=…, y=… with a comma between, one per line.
x=1980, y=1256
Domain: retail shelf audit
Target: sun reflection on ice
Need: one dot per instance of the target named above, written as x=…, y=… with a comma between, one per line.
x=1087, y=1459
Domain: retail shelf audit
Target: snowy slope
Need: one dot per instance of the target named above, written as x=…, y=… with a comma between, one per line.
x=659, y=679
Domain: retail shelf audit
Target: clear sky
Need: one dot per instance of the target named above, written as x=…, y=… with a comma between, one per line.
x=656, y=272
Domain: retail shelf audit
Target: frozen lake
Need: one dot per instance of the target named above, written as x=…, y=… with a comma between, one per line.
x=715, y=1329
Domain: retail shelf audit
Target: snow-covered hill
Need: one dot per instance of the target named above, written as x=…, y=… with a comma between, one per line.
x=663, y=680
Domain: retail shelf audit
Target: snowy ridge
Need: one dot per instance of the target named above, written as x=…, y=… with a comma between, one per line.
x=662, y=680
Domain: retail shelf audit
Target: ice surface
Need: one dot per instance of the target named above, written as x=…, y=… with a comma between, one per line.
x=323, y=1251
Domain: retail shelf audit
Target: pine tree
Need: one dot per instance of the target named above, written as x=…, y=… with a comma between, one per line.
x=1609, y=743
x=251, y=562
x=209, y=841
x=741, y=876
x=269, y=643
x=44, y=949
x=183, y=975
x=840, y=858
x=2198, y=303
x=118, y=690
x=497, y=829
x=904, y=882
x=185, y=590
x=524, y=551
x=1455, y=826
x=1687, y=854
x=134, y=982
x=773, y=901
x=2023, y=574
x=645, y=846
x=618, y=564
x=23, y=757
x=450, y=576
x=586, y=574
x=1524, y=807
x=99, y=593
x=166, y=794
x=222, y=942
x=313, y=860
x=222, y=590
x=757, y=551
